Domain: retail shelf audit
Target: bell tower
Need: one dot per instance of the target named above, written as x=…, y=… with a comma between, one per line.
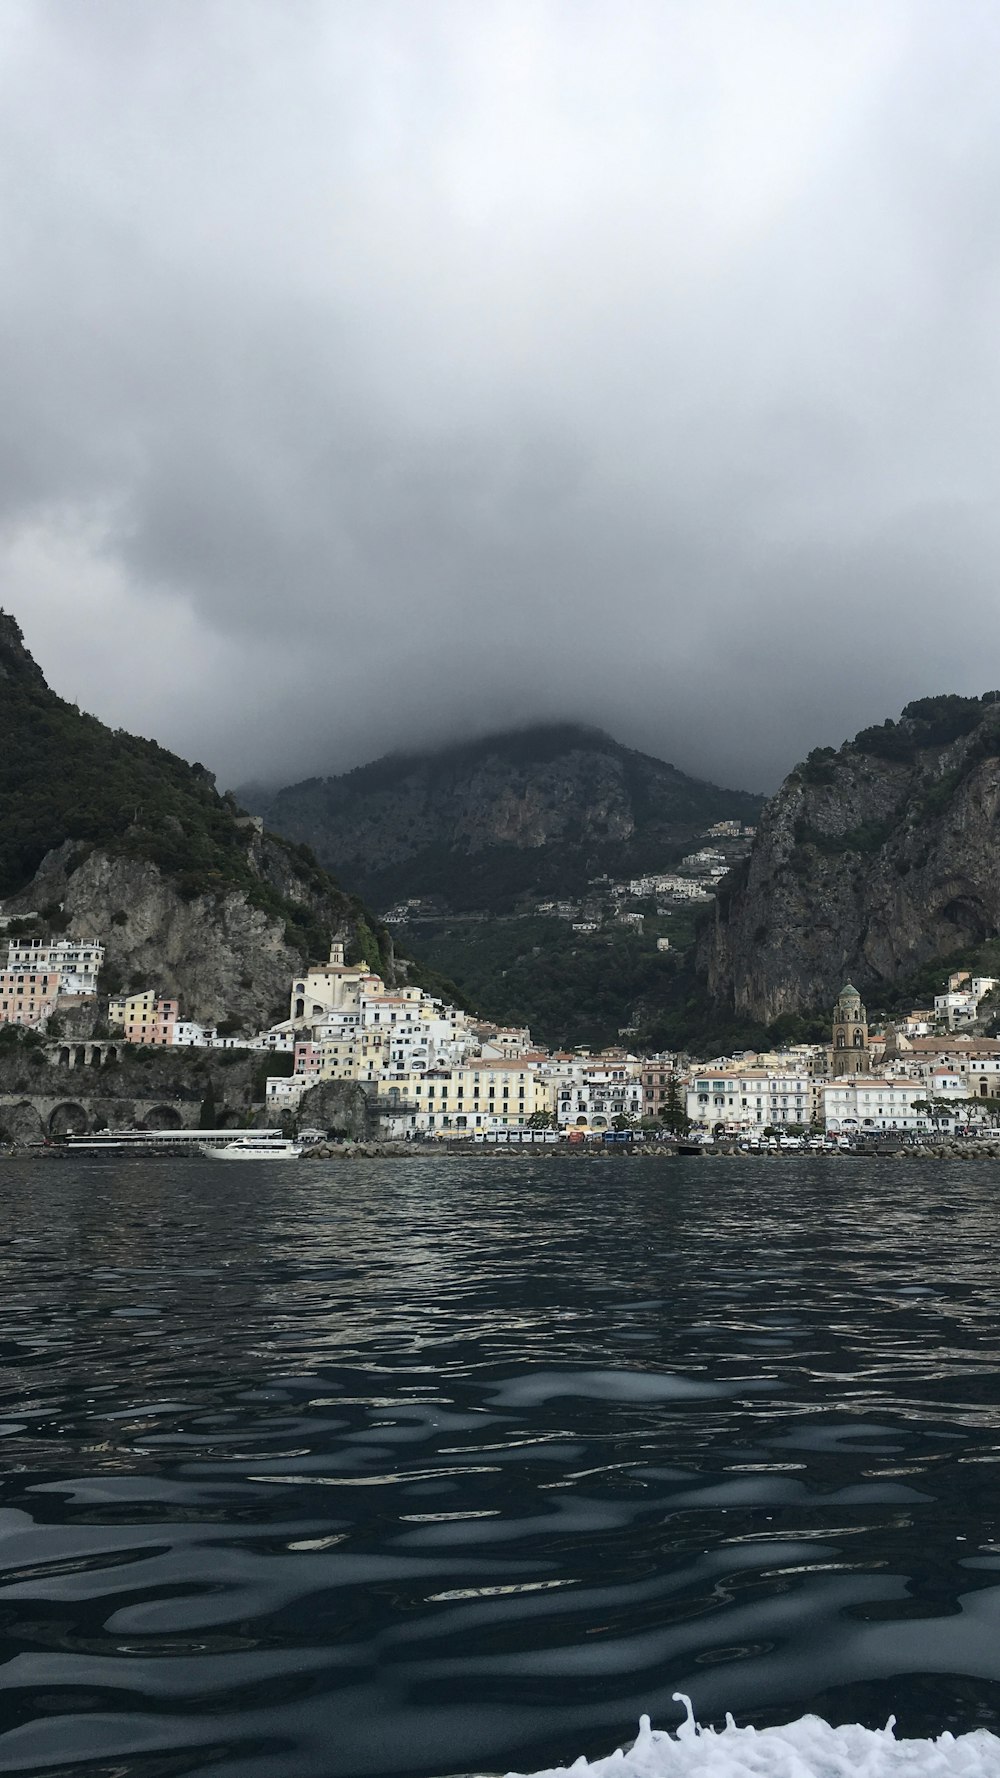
x=850, y=1034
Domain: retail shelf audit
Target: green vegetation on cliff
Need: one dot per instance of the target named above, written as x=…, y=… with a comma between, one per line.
x=481, y=825
x=875, y=862
x=64, y=776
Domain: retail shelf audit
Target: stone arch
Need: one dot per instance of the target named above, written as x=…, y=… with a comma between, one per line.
x=67, y=1119
x=162, y=1117
x=64, y=1056
x=300, y=1008
x=23, y=1122
x=80, y=1055
x=95, y=1056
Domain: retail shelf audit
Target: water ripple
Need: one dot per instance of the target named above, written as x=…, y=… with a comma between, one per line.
x=460, y=1467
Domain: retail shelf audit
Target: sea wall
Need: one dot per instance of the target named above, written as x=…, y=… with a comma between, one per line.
x=74, y=1087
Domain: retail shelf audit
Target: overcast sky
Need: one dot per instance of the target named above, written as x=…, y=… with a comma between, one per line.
x=380, y=371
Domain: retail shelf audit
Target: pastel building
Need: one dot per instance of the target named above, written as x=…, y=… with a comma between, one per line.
x=480, y=1095
x=658, y=1072
x=306, y=1060
x=76, y=962
x=146, y=1018
x=27, y=996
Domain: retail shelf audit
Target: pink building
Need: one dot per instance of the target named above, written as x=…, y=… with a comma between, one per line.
x=306, y=1057
x=149, y=1020
x=27, y=996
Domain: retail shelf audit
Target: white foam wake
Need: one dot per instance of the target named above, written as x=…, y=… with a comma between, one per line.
x=808, y=1748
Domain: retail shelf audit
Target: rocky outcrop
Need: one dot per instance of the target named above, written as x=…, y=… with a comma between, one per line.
x=110, y=836
x=342, y=1106
x=868, y=862
x=219, y=954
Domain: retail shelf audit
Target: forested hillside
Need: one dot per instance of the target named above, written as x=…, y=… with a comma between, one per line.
x=128, y=843
x=536, y=811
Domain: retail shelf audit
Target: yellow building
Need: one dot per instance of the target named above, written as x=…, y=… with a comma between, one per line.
x=484, y=1094
x=358, y=1055
x=145, y=1018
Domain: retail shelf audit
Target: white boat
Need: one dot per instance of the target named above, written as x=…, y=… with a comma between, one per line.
x=260, y=1147
x=191, y=1142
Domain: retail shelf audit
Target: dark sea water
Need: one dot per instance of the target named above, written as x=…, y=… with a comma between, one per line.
x=444, y=1466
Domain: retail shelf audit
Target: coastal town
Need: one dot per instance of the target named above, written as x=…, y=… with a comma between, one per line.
x=435, y=1072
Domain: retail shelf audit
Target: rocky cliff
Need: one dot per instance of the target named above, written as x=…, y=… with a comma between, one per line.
x=222, y=956
x=869, y=862
x=106, y=835
x=477, y=824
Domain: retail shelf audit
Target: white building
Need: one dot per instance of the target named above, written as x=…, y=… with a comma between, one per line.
x=589, y=1093
x=860, y=1102
x=984, y=1076
x=749, y=1099
x=77, y=962
x=326, y=987
x=283, y=1091
x=685, y=889
x=505, y=1042
x=960, y=1005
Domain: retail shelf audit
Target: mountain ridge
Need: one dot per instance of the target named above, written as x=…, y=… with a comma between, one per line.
x=538, y=807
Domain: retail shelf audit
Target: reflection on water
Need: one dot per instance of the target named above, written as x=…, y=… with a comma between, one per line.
x=459, y=1465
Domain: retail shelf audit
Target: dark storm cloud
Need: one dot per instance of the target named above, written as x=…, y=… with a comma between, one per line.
x=374, y=373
